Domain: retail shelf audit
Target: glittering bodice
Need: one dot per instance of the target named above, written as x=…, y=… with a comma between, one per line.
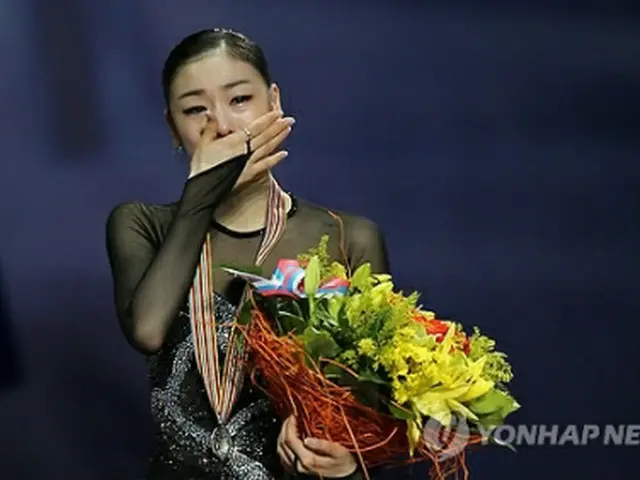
x=189, y=443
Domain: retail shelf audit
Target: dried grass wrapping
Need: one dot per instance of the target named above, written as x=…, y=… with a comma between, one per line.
x=331, y=412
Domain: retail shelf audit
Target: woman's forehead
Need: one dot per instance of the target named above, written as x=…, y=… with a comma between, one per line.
x=214, y=71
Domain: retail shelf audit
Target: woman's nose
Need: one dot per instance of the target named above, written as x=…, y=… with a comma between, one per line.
x=222, y=122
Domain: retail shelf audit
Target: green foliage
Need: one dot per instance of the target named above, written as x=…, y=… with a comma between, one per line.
x=312, y=277
x=493, y=407
x=382, y=336
x=319, y=343
x=252, y=269
x=496, y=367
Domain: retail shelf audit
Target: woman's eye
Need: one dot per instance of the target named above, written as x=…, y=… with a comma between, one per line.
x=240, y=99
x=194, y=110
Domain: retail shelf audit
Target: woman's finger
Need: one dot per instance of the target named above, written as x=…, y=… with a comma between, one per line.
x=325, y=448
x=246, y=137
x=307, y=462
x=287, y=458
x=310, y=463
x=267, y=163
x=291, y=439
x=209, y=132
x=258, y=126
x=301, y=468
x=274, y=131
x=269, y=146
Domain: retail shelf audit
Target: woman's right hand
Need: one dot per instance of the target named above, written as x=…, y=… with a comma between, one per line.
x=267, y=133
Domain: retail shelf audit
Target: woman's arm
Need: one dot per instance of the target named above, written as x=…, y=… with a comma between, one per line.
x=366, y=244
x=151, y=282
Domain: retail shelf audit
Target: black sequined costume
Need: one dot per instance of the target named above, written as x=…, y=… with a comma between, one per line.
x=153, y=252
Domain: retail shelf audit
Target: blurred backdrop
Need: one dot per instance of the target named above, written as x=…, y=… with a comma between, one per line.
x=498, y=147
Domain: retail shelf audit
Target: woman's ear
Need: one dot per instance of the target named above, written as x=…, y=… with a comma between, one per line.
x=175, y=138
x=274, y=97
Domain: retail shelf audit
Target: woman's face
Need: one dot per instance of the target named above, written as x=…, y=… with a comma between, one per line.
x=217, y=88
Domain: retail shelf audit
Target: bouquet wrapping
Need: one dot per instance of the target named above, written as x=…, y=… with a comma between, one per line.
x=365, y=366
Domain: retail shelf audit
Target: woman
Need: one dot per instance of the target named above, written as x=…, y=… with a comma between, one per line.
x=224, y=112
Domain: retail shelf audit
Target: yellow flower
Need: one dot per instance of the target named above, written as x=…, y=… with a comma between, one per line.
x=361, y=278
x=477, y=389
x=440, y=404
x=367, y=347
x=354, y=308
x=337, y=270
x=427, y=315
x=414, y=432
x=334, y=305
x=382, y=277
x=380, y=294
x=432, y=379
x=428, y=372
x=349, y=357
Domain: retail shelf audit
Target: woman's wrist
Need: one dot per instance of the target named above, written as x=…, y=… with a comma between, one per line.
x=196, y=168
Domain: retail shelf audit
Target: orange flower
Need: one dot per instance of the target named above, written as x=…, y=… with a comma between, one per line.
x=466, y=345
x=439, y=329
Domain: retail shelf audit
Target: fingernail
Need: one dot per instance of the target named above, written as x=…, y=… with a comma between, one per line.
x=291, y=120
x=285, y=154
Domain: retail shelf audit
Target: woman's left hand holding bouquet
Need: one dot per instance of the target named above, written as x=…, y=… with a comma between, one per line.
x=313, y=456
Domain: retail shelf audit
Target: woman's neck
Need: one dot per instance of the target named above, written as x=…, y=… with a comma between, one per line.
x=245, y=208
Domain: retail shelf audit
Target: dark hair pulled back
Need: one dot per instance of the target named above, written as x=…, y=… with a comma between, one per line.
x=235, y=44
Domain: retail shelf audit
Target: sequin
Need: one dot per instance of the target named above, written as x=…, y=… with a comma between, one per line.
x=189, y=442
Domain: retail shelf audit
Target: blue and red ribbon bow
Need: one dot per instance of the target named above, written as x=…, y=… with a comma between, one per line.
x=288, y=280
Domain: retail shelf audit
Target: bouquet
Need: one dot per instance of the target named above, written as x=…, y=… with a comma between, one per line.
x=365, y=366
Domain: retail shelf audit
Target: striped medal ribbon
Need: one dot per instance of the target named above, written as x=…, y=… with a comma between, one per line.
x=223, y=383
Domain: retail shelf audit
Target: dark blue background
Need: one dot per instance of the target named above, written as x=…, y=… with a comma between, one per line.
x=497, y=146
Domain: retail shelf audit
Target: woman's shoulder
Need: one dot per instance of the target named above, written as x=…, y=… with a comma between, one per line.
x=355, y=225
x=127, y=214
x=363, y=237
